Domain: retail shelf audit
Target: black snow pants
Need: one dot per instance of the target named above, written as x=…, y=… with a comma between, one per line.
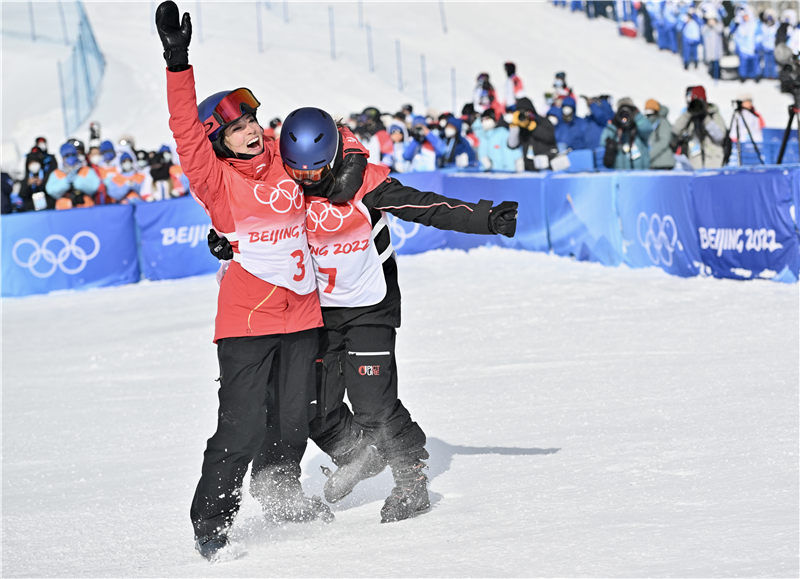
x=266, y=392
x=361, y=360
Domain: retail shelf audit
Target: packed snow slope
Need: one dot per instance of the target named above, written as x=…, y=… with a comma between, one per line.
x=582, y=421
x=295, y=67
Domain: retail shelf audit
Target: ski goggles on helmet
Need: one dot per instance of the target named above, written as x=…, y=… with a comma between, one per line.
x=232, y=106
x=306, y=176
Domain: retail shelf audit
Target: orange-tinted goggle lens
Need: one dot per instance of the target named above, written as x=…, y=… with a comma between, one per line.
x=309, y=175
x=233, y=106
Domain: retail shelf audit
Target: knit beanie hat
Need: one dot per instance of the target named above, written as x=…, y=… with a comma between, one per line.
x=651, y=106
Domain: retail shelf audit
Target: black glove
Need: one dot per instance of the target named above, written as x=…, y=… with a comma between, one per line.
x=610, y=155
x=175, y=36
x=220, y=247
x=503, y=218
x=349, y=178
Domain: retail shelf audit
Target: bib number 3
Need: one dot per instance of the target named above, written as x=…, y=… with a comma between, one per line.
x=301, y=266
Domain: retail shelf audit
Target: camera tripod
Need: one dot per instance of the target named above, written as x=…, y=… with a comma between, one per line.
x=794, y=113
x=737, y=114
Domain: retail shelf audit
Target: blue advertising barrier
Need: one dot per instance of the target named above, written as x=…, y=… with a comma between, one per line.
x=739, y=224
x=172, y=238
x=528, y=191
x=582, y=217
x=45, y=251
x=657, y=221
x=746, y=223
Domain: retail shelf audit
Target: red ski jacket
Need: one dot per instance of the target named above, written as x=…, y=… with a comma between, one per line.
x=270, y=287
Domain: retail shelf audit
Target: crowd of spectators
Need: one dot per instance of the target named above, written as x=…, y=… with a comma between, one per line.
x=490, y=134
x=735, y=40
x=499, y=131
x=104, y=173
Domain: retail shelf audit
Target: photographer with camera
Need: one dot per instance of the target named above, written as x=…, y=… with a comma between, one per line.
x=424, y=146
x=625, y=138
x=534, y=134
x=700, y=132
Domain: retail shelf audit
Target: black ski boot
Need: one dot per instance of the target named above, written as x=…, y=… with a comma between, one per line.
x=410, y=494
x=361, y=462
x=210, y=545
x=282, y=498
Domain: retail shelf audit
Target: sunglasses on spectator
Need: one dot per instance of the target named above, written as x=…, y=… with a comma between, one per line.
x=230, y=108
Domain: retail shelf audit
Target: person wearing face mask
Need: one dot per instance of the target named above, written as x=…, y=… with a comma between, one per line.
x=423, y=147
x=560, y=88
x=49, y=162
x=32, y=190
x=571, y=130
x=95, y=161
x=534, y=135
x=625, y=138
x=458, y=151
x=659, y=141
x=73, y=184
x=493, y=151
x=126, y=185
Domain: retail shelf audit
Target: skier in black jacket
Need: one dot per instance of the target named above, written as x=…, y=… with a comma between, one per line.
x=357, y=282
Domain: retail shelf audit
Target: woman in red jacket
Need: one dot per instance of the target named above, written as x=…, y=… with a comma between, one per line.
x=267, y=311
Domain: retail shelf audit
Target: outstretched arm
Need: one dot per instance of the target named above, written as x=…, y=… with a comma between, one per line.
x=442, y=212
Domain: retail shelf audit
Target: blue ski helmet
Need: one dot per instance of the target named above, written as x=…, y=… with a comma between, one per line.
x=308, y=140
x=221, y=109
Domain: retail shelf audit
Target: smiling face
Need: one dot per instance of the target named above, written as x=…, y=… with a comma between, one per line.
x=244, y=136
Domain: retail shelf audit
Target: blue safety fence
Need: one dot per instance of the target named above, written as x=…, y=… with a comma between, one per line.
x=64, y=22
x=733, y=223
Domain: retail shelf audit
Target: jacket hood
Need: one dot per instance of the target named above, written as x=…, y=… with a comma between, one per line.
x=663, y=111
x=525, y=104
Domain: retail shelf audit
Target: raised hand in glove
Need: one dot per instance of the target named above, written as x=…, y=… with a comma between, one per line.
x=219, y=247
x=503, y=218
x=175, y=35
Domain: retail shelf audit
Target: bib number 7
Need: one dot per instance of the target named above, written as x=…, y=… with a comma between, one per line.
x=331, y=273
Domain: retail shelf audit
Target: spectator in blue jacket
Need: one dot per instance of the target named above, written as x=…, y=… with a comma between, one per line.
x=691, y=32
x=625, y=138
x=745, y=30
x=458, y=151
x=600, y=114
x=571, y=130
x=493, y=151
x=424, y=146
x=74, y=184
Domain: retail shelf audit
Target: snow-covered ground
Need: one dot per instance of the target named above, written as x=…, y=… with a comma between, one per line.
x=582, y=421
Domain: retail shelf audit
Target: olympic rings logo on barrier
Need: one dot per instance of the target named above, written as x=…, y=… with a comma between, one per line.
x=399, y=232
x=325, y=216
x=658, y=236
x=281, y=200
x=57, y=258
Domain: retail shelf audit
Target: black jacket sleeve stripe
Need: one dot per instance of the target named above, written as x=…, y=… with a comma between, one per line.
x=429, y=208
